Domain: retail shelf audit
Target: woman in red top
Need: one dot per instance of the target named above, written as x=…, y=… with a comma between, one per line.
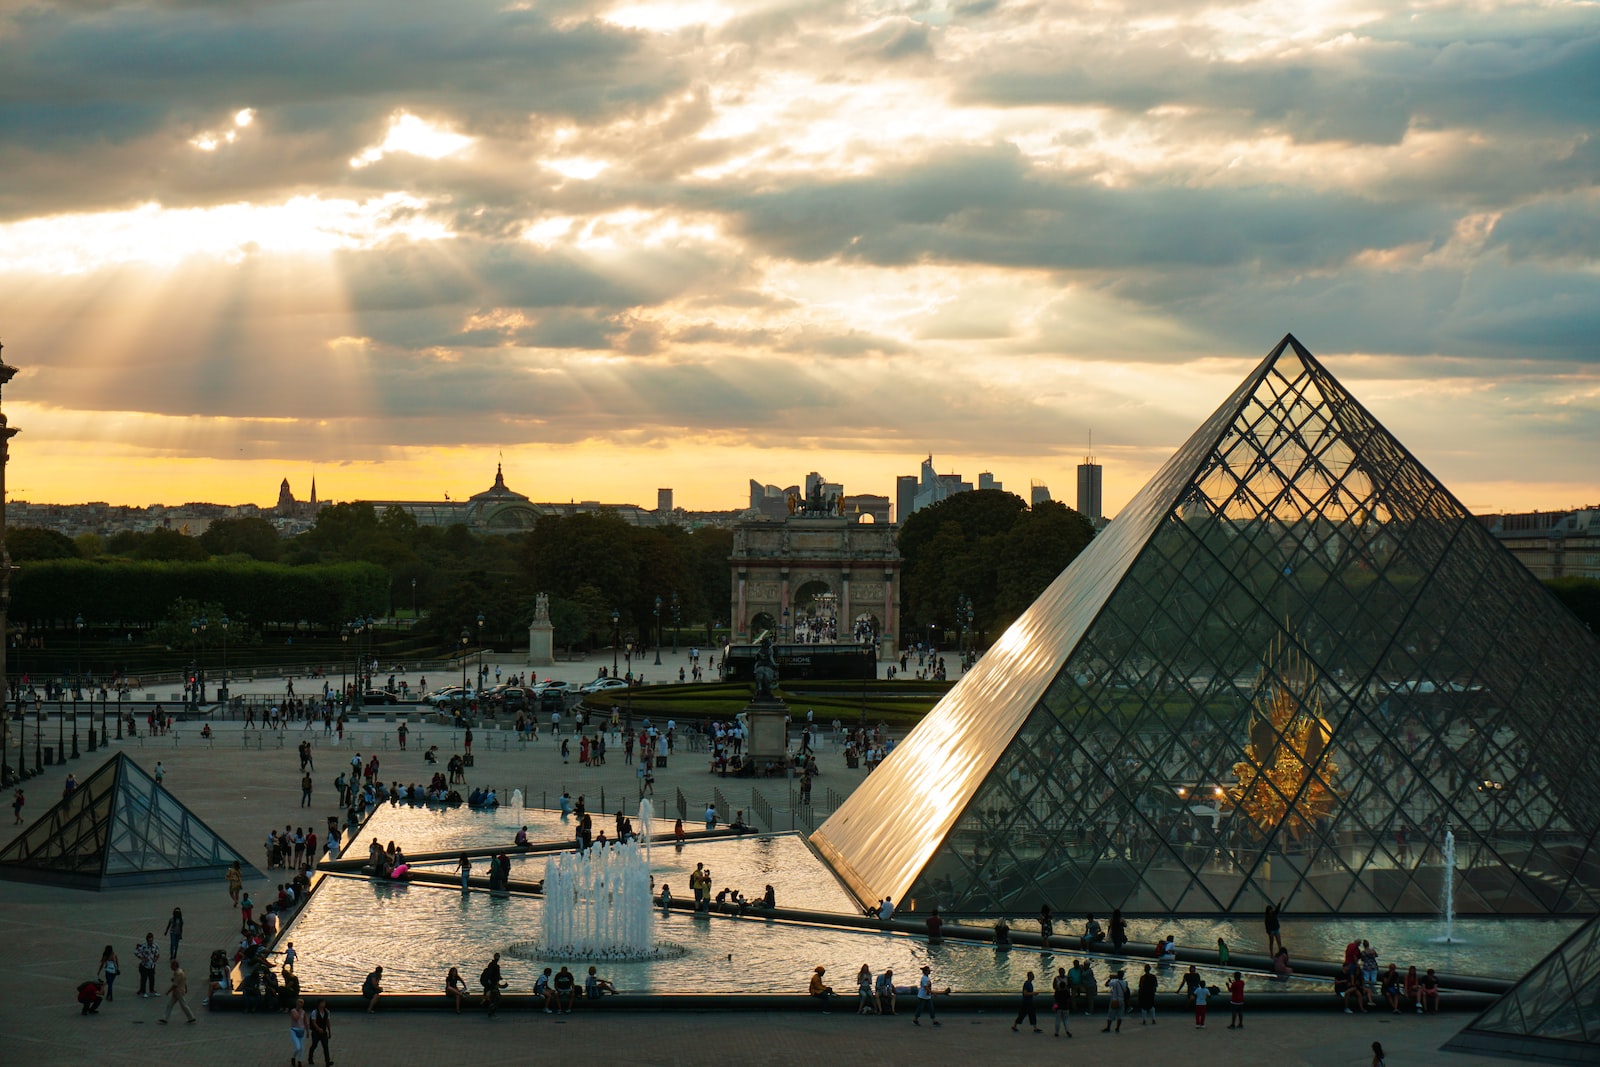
x=1236, y=1001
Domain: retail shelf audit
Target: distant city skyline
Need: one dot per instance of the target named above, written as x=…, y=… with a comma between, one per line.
x=686, y=244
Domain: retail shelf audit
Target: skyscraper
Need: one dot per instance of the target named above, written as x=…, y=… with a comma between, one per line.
x=905, y=497
x=1089, y=491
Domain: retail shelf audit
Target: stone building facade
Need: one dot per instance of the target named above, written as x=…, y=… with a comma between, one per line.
x=853, y=566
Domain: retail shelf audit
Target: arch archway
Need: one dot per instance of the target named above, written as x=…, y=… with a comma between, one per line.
x=816, y=610
x=762, y=621
x=865, y=627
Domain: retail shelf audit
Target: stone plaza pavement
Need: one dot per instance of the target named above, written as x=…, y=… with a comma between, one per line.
x=53, y=937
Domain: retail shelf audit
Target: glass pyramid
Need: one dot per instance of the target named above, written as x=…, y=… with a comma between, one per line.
x=1552, y=1015
x=117, y=828
x=1290, y=668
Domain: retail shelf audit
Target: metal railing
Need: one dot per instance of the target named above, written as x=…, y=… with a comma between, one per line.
x=761, y=809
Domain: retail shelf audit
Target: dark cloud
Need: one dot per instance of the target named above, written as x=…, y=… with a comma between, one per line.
x=1536, y=71
x=992, y=207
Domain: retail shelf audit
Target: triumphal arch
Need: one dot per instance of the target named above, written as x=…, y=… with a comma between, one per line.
x=817, y=577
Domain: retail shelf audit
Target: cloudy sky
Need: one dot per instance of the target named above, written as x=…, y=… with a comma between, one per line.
x=631, y=244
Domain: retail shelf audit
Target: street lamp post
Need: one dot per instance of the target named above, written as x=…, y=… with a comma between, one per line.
x=616, y=638
x=122, y=692
x=658, y=631
x=222, y=691
x=466, y=639
x=676, y=621
x=784, y=633
x=413, y=619
x=344, y=687
x=482, y=674
x=76, y=683
x=629, y=655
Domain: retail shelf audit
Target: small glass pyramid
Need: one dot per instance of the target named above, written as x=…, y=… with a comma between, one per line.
x=1288, y=669
x=117, y=828
x=1552, y=1015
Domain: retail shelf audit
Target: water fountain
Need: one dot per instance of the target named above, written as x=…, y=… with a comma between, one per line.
x=597, y=907
x=516, y=807
x=1447, y=892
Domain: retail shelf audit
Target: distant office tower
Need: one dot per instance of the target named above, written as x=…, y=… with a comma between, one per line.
x=664, y=501
x=905, y=497
x=1089, y=490
x=987, y=481
x=1039, y=494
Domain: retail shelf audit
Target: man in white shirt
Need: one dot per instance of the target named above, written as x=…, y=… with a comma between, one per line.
x=925, y=998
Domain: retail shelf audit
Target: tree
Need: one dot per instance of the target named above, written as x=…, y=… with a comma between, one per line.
x=164, y=544
x=1581, y=596
x=251, y=537
x=25, y=543
x=988, y=547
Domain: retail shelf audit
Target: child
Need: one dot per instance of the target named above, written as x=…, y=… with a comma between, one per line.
x=1201, y=994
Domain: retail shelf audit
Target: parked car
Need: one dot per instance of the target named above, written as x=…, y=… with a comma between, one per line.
x=600, y=685
x=450, y=696
x=379, y=696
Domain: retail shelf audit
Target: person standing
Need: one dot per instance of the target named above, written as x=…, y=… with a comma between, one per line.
x=174, y=932
x=464, y=865
x=148, y=955
x=297, y=1030
x=925, y=998
x=1147, y=997
x=1270, y=919
x=109, y=969
x=17, y=801
x=1062, y=1003
x=305, y=790
x=176, y=992
x=235, y=882
x=1236, y=1001
x=321, y=1027
x=1026, y=1011
x=1202, y=993
x=1117, y=994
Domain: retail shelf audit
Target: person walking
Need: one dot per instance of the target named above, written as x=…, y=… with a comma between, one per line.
x=464, y=865
x=321, y=1027
x=1236, y=1001
x=175, y=994
x=925, y=998
x=109, y=969
x=1026, y=1010
x=297, y=1030
x=492, y=984
x=148, y=954
x=174, y=932
x=1061, y=990
x=1117, y=994
x=305, y=790
x=372, y=988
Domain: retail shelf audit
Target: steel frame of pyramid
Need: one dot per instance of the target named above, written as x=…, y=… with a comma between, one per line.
x=1552, y=1015
x=119, y=827
x=1287, y=669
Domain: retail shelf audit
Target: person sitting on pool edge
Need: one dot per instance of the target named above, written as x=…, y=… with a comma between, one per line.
x=595, y=987
x=819, y=990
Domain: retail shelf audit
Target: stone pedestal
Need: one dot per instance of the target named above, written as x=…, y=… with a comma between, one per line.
x=766, y=731
x=541, y=643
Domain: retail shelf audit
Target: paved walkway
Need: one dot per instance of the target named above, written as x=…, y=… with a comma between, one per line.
x=53, y=937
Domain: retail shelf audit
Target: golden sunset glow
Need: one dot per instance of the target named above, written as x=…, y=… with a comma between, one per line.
x=687, y=244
